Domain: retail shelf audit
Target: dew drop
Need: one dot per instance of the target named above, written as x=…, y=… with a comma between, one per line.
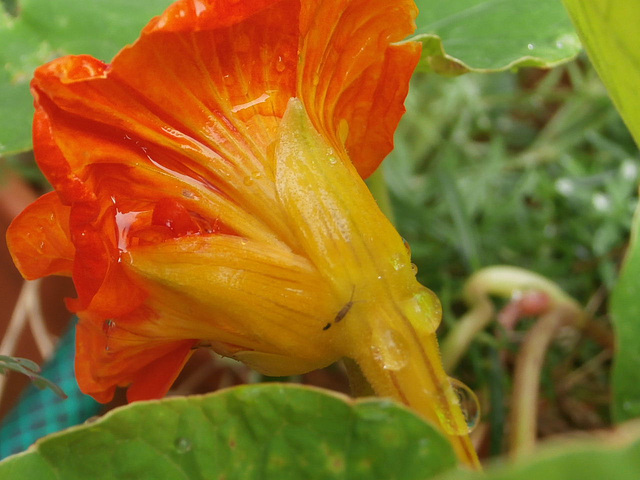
x=280, y=66
x=397, y=261
x=189, y=194
x=414, y=268
x=458, y=393
x=333, y=160
x=107, y=326
x=424, y=308
x=183, y=445
x=390, y=350
x=531, y=46
x=256, y=174
x=248, y=180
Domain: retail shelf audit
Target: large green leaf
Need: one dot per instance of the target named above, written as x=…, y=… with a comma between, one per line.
x=254, y=432
x=625, y=314
x=609, y=31
x=45, y=29
x=491, y=35
x=616, y=457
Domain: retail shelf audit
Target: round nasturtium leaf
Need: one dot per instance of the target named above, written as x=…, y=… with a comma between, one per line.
x=614, y=455
x=37, y=31
x=459, y=36
x=268, y=431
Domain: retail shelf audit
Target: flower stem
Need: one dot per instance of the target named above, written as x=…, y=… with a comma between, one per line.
x=403, y=362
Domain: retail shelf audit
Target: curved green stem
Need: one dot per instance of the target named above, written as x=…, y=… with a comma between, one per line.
x=378, y=187
x=502, y=281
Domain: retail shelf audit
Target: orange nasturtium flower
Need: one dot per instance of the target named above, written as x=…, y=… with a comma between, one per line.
x=208, y=192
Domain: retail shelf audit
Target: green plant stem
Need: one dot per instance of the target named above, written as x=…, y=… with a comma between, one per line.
x=380, y=191
x=528, y=367
x=502, y=281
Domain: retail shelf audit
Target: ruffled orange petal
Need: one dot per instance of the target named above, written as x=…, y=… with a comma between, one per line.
x=103, y=361
x=353, y=80
x=39, y=239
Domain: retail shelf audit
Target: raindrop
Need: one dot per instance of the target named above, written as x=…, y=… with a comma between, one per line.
x=530, y=46
x=183, y=445
x=424, y=308
x=458, y=393
x=280, y=66
x=397, y=261
x=189, y=194
x=248, y=180
x=389, y=349
x=107, y=326
x=333, y=160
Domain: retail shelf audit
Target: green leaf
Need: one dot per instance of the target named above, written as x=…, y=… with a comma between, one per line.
x=267, y=431
x=616, y=457
x=46, y=29
x=459, y=36
x=625, y=315
x=31, y=370
x=609, y=31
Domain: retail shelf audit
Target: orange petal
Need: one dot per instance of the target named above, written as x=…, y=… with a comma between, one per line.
x=39, y=239
x=353, y=82
x=110, y=356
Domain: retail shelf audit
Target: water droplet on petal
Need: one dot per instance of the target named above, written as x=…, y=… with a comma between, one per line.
x=248, y=180
x=424, y=308
x=107, y=326
x=280, y=66
x=462, y=395
x=531, y=46
x=414, y=268
x=316, y=79
x=183, y=445
x=390, y=350
x=397, y=261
